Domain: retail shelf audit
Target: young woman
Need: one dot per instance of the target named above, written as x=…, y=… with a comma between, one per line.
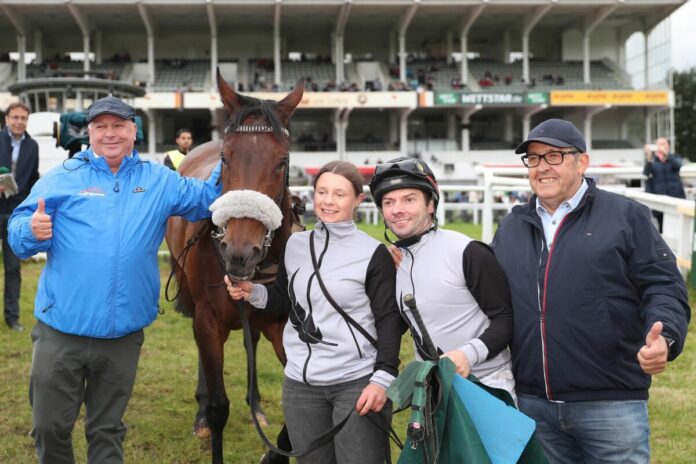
x=344, y=329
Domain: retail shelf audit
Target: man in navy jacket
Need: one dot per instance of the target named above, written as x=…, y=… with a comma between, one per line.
x=19, y=155
x=599, y=305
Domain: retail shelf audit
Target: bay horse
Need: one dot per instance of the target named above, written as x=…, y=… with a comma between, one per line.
x=252, y=222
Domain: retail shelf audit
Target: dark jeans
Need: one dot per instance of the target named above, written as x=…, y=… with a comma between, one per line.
x=312, y=410
x=591, y=432
x=68, y=370
x=13, y=276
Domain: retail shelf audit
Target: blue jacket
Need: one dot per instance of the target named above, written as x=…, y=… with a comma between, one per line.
x=102, y=277
x=582, y=309
x=663, y=178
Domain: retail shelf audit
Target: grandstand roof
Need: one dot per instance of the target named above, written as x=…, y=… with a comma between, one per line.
x=192, y=15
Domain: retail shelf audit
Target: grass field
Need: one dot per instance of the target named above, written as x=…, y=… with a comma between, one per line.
x=161, y=410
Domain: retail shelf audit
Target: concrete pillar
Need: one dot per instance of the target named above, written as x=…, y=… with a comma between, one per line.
x=448, y=47
x=151, y=60
x=86, y=65
x=151, y=132
x=98, y=47
x=21, y=65
x=38, y=46
x=403, y=132
x=507, y=135
x=393, y=128
x=451, y=125
x=215, y=124
x=402, y=57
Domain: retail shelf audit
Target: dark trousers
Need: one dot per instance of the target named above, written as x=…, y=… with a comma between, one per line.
x=312, y=410
x=69, y=370
x=13, y=276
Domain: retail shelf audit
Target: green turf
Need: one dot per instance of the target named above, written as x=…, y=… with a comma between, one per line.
x=161, y=410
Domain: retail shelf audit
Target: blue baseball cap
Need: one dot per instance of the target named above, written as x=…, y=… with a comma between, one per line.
x=110, y=105
x=555, y=132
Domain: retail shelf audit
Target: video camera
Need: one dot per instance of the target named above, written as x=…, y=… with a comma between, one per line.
x=70, y=131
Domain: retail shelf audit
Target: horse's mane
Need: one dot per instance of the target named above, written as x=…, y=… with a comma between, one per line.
x=249, y=106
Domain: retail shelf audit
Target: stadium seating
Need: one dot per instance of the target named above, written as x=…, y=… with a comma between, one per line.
x=172, y=75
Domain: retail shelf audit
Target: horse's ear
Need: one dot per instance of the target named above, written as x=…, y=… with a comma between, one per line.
x=229, y=97
x=287, y=105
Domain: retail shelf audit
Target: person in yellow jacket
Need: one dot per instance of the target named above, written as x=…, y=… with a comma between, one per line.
x=184, y=140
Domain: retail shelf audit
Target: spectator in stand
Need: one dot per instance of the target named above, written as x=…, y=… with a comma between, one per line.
x=508, y=79
x=560, y=80
x=662, y=170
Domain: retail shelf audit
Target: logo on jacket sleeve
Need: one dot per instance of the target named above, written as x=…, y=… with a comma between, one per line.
x=92, y=192
x=138, y=190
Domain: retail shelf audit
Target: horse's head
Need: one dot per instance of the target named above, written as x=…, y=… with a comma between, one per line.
x=254, y=176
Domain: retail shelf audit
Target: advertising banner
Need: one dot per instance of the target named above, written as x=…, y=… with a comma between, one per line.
x=610, y=97
x=491, y=98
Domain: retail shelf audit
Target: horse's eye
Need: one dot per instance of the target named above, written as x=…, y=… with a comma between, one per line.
x=282, y=165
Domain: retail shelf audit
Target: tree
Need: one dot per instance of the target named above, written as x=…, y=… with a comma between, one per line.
x=685, y=113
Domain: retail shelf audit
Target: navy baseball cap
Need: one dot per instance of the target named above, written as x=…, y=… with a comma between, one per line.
x=557, y=133
x=110, y=105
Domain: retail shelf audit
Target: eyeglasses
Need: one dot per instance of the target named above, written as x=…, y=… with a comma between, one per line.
x=532, y=160
x=18, y=118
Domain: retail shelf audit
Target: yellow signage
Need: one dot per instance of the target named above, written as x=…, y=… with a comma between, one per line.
x=610, y=97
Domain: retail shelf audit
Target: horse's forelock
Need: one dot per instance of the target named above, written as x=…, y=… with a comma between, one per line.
x=265, y=108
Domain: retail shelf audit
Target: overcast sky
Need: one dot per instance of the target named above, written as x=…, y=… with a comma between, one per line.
x=684, y=37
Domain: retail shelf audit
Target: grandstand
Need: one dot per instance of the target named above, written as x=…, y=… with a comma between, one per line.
x=457, y=82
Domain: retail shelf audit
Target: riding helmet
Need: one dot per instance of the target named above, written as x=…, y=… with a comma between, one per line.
x=400, y=173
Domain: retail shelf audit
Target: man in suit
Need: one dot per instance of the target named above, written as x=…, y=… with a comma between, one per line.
x=19, y=155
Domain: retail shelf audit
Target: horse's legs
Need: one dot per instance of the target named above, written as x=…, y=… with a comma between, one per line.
x=211, y=340
x=200, y=424
x=253, y=387
x=274, y=333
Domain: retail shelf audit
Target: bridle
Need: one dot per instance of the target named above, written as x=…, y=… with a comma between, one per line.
x=218, y=233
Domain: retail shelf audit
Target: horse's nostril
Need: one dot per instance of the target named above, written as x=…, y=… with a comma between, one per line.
x=257, y=252
x=223, y=246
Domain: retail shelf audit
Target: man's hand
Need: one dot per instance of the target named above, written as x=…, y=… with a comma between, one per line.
x=396, y=254
x=41, y=224
x=653, y=356
x=461, y=362
x=238, y=290
x=372, y=398
x=648, y=149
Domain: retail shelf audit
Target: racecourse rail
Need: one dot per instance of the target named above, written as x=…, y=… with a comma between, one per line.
x=493, y=194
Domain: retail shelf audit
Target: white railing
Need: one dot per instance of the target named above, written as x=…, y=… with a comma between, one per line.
x=678, y=219
x=678, y=214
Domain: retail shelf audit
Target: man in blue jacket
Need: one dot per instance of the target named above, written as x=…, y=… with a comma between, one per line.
x=598, y=302
x=101, y=218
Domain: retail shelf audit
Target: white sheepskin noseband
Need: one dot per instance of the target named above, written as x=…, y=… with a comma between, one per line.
x=246, y=204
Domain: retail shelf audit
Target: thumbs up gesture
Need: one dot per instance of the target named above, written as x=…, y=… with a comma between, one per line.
x=653, y=355
x=41, y=224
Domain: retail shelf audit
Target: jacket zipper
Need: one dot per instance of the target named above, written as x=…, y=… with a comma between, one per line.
x=542, y=317
x=114, y=291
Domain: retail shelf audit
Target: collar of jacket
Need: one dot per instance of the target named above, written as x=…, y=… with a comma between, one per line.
x=336, y=230
x=8, y=136
x=527, y=212
x=414, y=240
x=100, y=163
